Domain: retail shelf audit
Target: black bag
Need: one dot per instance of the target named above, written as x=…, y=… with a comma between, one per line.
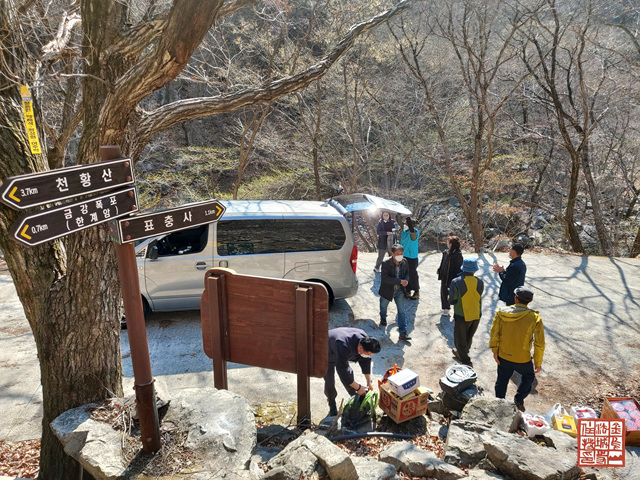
x=457, y=379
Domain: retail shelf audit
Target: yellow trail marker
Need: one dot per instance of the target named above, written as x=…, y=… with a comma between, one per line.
x=24, y=232
x=30, y=120
x=12, y=196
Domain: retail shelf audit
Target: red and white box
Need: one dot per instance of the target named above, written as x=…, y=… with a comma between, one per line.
x=403, y=382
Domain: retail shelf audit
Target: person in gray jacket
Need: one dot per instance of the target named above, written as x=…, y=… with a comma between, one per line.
x=395, y=278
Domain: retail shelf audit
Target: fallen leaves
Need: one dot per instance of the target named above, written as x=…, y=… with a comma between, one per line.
x=20, y=459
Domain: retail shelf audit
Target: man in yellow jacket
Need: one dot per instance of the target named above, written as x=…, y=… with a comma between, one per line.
x=513, y=331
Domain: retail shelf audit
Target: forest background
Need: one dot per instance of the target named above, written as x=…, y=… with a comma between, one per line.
x=489, y=118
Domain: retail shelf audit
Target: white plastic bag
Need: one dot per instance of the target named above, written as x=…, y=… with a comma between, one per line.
x=555, y=410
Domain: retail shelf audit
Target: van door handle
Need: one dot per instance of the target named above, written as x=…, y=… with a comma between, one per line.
x=201, y=265
x=223, y=263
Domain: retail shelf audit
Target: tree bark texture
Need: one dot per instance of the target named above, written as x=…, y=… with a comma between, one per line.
x=69, y=288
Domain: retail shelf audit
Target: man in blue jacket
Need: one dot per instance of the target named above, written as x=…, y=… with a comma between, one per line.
x=513, y=276
x=348, y=345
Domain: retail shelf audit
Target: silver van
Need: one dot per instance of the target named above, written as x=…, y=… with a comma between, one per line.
x=298, y=240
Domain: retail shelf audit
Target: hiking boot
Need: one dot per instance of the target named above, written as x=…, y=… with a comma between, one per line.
x=405, y=336
x=520, y=406
x=383, y=322
x=455, y=353
x=333, y=410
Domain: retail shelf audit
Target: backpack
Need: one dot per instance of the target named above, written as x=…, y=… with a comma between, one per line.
x=457, y=379
x=359, y=410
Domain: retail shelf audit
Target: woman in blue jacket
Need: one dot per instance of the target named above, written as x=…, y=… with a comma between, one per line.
x=409, y=240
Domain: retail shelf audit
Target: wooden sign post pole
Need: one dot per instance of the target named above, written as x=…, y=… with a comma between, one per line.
x=303, y=302
x=137, y=332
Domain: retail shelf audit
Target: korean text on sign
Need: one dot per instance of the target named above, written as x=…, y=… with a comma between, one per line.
x=601, y=443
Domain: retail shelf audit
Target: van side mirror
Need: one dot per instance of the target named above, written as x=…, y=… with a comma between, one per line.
x=153, y=253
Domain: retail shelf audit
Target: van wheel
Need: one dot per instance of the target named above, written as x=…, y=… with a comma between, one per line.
x=146, y=309
x=331, y=296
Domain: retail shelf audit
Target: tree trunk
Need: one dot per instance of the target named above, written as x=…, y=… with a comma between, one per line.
x=603, y=235
x=571, y=230
x=635, y=249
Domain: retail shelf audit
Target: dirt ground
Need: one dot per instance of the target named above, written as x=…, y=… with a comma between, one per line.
x=589, y=306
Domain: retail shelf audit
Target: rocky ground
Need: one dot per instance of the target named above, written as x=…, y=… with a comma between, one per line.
x=589, y=306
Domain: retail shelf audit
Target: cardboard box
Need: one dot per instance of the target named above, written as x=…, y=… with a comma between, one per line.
x=565, y=423
x=403, y=382
x=611, y=410
x=402, y=409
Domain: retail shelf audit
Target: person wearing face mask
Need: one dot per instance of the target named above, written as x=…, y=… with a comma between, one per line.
x=409, y=240
x=395, y=278
x=513, y=276
x=348, y=345
x=384, y=229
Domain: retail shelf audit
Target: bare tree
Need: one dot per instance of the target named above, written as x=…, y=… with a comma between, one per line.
x=481, y=36
x=69, y=288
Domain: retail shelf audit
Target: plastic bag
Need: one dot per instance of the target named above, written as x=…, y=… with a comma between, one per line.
x=359, y=410
x=555, y=410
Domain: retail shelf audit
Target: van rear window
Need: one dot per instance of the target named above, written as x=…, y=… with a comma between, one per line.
x=250, y=237
x=306, y=235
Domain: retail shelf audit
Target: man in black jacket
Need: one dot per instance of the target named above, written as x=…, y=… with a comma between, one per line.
x=348, y=345
x=513, y=276
x=395, y=277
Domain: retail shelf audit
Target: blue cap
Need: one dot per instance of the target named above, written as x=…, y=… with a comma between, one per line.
x=470, y=265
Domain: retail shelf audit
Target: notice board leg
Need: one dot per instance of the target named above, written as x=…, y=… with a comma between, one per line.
x=217, y=316
x=303, y=300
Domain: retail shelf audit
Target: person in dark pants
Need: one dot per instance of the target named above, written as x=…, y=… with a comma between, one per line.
x=465, y=295
x=409, y=240
x=513, y=276
x=395, y=278
x=384, y=229
x=348, y=345
x=513, y=331
x=449, y=269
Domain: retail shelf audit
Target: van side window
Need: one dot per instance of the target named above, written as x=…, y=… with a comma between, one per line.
x=250, y=237
x=307, y=235
x=191, y=240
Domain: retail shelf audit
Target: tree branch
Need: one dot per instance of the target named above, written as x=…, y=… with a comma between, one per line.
x=192, y=108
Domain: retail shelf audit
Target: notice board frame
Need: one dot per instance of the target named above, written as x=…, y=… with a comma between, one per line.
x=266, y=322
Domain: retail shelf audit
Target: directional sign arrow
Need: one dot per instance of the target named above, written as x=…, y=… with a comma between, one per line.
x=26, y=191
x=152, y=224
x=57, y=222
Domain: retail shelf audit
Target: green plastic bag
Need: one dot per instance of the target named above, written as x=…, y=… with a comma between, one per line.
x=359, y=410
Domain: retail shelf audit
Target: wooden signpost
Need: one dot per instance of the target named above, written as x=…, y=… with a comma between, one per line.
x=265, y=322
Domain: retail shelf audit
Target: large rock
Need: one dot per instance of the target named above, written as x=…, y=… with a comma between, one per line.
x=496, y=412
x=369, y=468
x=333, y=459
x=520, y=458
x=477, y=474
x=413, y=461
x=94, y=444
x=221, y=426
x=465, y=443
x=221, y=433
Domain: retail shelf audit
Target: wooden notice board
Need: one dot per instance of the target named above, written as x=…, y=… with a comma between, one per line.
x=266, y=322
